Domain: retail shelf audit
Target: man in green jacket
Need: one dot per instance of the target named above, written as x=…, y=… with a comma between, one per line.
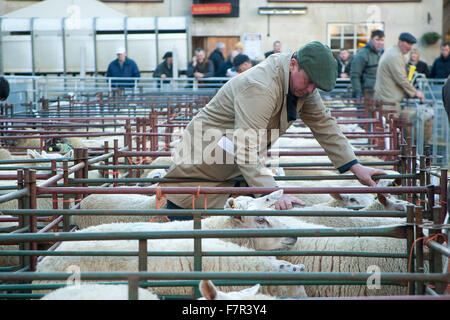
x=364, y=65
x=230, y=135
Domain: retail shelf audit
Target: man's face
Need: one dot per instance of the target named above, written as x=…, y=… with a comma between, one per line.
x=244, y=66
x=201, y=56
x=299, y=82
x=445, y=50
x=169, y=61
x=121, y=56
x=378, y=43
x=344, y=55
x=404, y=46
x=277, y=47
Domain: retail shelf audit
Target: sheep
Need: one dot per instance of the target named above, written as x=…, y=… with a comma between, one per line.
x=347, y=264
x=212, y=223
x=338, y=263
x=97, y=292
x=170, y=264
x=5, y=154
x=114, y=201
x=210, y=292
x=248, y=203
x=8, y=261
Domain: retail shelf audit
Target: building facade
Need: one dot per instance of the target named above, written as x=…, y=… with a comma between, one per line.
x=259, y=23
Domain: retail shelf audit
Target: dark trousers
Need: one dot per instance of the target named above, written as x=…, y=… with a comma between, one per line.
x=171, y=205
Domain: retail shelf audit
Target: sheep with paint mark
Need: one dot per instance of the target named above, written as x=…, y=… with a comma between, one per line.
x=170, y=264
x=97, y=292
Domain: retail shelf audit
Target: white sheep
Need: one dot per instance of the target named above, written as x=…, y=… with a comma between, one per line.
x=213, y=223
x=97, y=292
x=5, y=154
x=210, y=292
x=114, y=201
x=340, y=263
x=248, y=203
x=169, y=264
x=7, y=261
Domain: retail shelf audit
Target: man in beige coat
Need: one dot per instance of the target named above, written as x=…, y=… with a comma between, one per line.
x=230, y=135
x=392, y=83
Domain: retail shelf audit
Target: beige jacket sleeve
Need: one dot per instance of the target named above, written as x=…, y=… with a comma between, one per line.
x=253, y=109
x=326, y=130
x=397, y=68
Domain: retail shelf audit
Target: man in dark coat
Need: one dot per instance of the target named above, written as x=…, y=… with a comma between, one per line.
x=164, y=69
x=217, y=57
x=123, y=67
x=365, y=63
x=4, y=89
x=200, y=67
x=441, y=66
x=344, y=62
x=276, y=49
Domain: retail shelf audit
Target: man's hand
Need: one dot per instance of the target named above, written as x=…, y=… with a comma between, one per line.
x=198, y=75
x=364, y=174
x=285, y=202
x=163, y=76
x=419, y=95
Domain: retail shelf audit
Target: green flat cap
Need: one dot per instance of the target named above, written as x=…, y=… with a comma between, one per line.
x=319, y=64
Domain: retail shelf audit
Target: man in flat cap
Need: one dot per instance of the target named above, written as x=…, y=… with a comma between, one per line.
x=392, y=83
x=164, y=69
x=261, y=102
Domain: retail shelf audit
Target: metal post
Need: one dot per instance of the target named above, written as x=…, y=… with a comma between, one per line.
x=143, y=255
x=66, y=197
x=419, y=249
x=436, y=256
x=410, y=241
x=443, y=195
x=156, y=40
x=33, y=66
x=30, y=182
x=94, y=33
x=125, y=32
x=23, y=203
x=133, y=286
x=422, y=180
x=197, y=251
x=63, y=31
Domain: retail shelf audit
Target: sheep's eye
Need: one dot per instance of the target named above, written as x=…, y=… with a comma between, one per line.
x=353, y=199
x=261, y=220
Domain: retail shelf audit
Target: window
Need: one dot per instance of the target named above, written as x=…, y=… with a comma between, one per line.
x=351, y=36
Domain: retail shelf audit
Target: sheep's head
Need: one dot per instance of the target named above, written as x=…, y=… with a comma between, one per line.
x=392, y=204
x=259, y=222
x=210, y=292
x=354, y=200
x=154, y=174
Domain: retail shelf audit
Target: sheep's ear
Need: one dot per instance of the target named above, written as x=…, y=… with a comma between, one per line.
x=229, y=204
x=276, y=194
x=208, y=290
x=33, y=154
x=251, y=291
x=382, y=198
x=336, y=196
x=68, y=154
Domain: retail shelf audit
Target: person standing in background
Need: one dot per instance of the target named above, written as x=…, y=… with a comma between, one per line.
x=123, y=67
x=365, y=63
x=441, y=66
x=200, y=66
x=217, y=58
x=344, y=61
x=276, y=49
x=421, y=67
